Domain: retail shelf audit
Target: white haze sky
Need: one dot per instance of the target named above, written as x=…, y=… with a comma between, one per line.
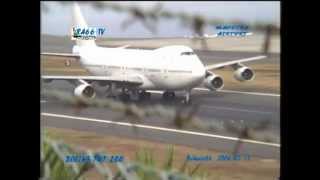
x=57, y=21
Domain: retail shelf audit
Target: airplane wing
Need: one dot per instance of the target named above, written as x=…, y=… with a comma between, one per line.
x=69, y=55
x=230, y=63
x=129, y=80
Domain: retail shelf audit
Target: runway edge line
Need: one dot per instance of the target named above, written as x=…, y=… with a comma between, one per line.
x=159, y=128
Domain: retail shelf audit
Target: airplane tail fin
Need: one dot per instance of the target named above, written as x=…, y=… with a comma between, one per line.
x=78, y=21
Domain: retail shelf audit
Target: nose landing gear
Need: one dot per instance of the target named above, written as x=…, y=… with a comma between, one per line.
x=187, y=99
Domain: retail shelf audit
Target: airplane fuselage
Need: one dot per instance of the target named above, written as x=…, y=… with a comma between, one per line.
x=167, y=68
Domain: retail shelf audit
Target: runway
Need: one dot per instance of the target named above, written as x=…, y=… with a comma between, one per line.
x=214, y=107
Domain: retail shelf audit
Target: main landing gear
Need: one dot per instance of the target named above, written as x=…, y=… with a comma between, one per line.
x=143, y=95
x=170, y=96
x=167, y=95
x=124, y=95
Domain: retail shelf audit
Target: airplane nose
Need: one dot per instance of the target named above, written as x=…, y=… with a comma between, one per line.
x=199, y=72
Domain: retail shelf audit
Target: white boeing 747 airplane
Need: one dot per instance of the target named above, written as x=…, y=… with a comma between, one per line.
x=134, y=71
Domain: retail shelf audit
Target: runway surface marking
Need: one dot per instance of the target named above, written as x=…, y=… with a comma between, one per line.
x=251, y=93
x=228, y=91
x=235, y=109
x=159, y=128
x=242, y=92
x=43, y=101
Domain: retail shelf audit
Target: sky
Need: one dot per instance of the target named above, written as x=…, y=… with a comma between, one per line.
x=57, y=21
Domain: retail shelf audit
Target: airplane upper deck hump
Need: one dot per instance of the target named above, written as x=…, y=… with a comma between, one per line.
x=173, y=49
x=79, y=21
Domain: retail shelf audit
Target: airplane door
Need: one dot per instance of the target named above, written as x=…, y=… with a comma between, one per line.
x=124, y=71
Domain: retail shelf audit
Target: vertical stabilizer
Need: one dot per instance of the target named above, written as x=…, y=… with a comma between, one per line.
x=78, y=21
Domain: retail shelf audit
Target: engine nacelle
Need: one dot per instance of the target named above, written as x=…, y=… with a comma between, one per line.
x=213, y=82
x=244, y=74
x=84, y=91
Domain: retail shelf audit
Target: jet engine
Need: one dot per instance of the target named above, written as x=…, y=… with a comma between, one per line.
x=244, y=74
x=84, y=91
x=213, y=82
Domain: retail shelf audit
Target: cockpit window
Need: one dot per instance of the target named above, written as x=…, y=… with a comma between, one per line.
x=187, y=53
